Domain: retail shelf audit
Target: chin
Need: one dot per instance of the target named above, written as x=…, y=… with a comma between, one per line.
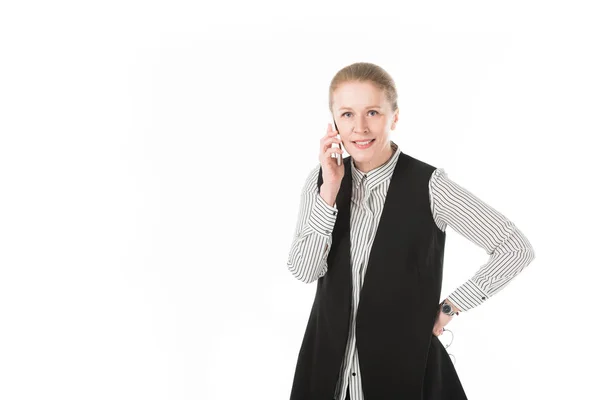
x=362, y=156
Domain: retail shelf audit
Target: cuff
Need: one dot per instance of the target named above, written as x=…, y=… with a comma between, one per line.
x=322, y=216
x=468, y=295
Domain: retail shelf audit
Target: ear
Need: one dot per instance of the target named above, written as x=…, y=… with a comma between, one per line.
x=395, y=119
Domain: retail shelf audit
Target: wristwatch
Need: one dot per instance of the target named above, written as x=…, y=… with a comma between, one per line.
x=447, y=309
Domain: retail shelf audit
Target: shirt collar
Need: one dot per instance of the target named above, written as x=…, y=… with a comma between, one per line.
x=377, y=175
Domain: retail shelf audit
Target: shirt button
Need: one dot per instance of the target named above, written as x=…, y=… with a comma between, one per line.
x=483, y=298
x=335, y=212
x=354, y=374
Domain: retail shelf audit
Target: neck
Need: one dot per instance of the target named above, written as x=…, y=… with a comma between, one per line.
x=377, y=161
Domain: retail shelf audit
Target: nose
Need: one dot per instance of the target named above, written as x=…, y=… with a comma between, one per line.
x=360, y=125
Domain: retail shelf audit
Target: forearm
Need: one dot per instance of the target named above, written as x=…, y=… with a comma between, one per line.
x=307, y=259
x=509, y=250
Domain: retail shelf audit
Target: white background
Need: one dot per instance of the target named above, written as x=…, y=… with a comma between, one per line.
x=152, y=156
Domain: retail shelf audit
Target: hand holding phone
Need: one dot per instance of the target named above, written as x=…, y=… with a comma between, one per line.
x=333, y=170
x=338, y=156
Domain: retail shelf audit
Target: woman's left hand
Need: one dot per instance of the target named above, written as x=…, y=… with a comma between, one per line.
x=440, y=322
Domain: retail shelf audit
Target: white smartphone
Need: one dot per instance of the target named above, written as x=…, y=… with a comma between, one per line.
x=335, y=145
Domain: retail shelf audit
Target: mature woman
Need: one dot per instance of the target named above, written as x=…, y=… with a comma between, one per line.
x=373, y=229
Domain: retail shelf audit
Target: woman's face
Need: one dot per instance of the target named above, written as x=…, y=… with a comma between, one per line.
x=362, y=112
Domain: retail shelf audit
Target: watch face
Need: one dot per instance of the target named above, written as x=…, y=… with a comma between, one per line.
x=446, y=308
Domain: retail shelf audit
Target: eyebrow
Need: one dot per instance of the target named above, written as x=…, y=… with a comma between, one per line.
x=349, y=108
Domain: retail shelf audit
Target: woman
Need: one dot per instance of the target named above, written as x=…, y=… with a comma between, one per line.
x=373, y=228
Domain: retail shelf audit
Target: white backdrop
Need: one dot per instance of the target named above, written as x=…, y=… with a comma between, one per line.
x=152, y=156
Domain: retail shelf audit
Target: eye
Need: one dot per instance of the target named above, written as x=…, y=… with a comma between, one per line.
x=348, y=112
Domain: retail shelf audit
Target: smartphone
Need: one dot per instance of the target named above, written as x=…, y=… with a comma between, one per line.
x=335, y=145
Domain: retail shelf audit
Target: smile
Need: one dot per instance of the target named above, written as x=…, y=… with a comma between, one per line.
x=363, y=145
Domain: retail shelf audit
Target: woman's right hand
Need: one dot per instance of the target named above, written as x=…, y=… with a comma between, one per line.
x=332, y=172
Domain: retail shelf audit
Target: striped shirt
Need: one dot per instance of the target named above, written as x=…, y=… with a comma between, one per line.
x=451, y=205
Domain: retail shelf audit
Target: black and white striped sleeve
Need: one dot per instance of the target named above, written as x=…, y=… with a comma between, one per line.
x=307, y=259
x=509, y=250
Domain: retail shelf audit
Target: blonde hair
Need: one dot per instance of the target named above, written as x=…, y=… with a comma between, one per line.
x=361, y=72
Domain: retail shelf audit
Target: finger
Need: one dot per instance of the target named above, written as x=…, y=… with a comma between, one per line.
x=327, y=143
x=330, y=140
x=331, y=150
x=328, y=136
x=330, y=130
x=328, y=156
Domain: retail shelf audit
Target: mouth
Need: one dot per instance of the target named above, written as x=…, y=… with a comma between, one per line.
x=363, y=144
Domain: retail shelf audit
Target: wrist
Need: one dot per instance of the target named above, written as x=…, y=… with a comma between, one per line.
x=328, y=194
x=453, y=307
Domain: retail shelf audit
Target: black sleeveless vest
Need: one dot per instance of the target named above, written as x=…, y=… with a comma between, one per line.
x=400, y=358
